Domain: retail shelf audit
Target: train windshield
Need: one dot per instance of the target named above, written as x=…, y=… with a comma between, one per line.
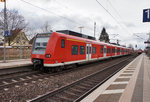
x=40, y=44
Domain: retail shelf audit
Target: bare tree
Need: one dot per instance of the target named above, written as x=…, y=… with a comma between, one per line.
x=130, y=46
x=14, y=20
x=32, y=32
x=46, y=27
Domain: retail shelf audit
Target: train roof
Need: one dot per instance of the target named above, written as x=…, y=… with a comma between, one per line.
x=69, y=32
x=80, y=36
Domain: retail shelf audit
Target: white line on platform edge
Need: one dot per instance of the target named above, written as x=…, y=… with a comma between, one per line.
x=113, y=91
x=124, y=82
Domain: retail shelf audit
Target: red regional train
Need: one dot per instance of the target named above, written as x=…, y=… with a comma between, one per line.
x=140, y=51
x=61, y=48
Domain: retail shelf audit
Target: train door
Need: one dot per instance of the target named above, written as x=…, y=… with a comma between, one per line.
x=63, y=49
x=116, y=51
x=88, y=51
x=105, y=51
x=120, y=51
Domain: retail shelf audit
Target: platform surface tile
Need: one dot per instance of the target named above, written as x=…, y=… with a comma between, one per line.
x=131, y=84
x=15, y=63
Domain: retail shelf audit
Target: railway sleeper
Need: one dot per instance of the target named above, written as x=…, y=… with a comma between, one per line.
x=72, y=93
x=50, y=100
x=94, y=81
x=81, y=88
x=90, y=83
x=77, y=90
x=54, y=99
x=86, y=85
x=64, y=99
x=69, y=95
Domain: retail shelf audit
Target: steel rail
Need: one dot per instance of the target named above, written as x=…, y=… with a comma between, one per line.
x=61, y=89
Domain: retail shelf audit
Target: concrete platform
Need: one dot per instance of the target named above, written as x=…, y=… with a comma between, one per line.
x=131, y=84
x=15, y=63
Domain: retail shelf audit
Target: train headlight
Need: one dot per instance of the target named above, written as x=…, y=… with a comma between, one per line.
x=47, y=55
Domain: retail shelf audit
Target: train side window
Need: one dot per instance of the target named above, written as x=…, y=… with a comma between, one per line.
x=82, y=50
x=105, y=49
x=62, y=43
x=74, y=49
x=108, y=50
x=113, y=50
x=102, y=50
x=94, y=50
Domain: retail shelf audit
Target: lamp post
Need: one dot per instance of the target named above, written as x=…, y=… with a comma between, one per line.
x=94, y=28
x=4, y=31
x=81, y=29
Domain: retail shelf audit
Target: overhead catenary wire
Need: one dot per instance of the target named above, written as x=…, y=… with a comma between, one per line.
x=115, y=9
x=73, y=21
x=113, y=17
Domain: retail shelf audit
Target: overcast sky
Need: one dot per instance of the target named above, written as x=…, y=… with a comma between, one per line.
x=126, y=17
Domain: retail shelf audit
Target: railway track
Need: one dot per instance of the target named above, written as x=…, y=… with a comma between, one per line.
x=9, y=80
x=7, y=72
x=77, y=90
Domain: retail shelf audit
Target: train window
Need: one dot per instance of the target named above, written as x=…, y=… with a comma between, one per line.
x=94, y=50
x=105, y=50
x=74, y=50
x=118, y=50
x=108, y=50
x=62, y=43
x=82, y=50
x=113, y=50
x=101, y=50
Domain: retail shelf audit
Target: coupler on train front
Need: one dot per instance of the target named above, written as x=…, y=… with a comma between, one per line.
x=38, y=64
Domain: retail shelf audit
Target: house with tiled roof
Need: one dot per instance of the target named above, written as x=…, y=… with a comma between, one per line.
x=17, y=38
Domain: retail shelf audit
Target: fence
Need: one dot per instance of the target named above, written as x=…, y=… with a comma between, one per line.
x=16, y=53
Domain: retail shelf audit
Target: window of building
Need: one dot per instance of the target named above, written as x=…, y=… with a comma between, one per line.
x=74, y=50
x=82, y=50
x=62, y=43
x=94, y=50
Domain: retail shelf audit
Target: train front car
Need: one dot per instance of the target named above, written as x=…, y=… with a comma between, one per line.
x=38, y=50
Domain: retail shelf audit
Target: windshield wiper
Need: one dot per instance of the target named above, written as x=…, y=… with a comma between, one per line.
x=39, y=47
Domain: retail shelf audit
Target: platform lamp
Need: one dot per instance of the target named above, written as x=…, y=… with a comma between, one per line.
x=81, y=27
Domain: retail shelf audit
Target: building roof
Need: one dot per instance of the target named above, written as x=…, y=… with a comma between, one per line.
x=14, y=33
